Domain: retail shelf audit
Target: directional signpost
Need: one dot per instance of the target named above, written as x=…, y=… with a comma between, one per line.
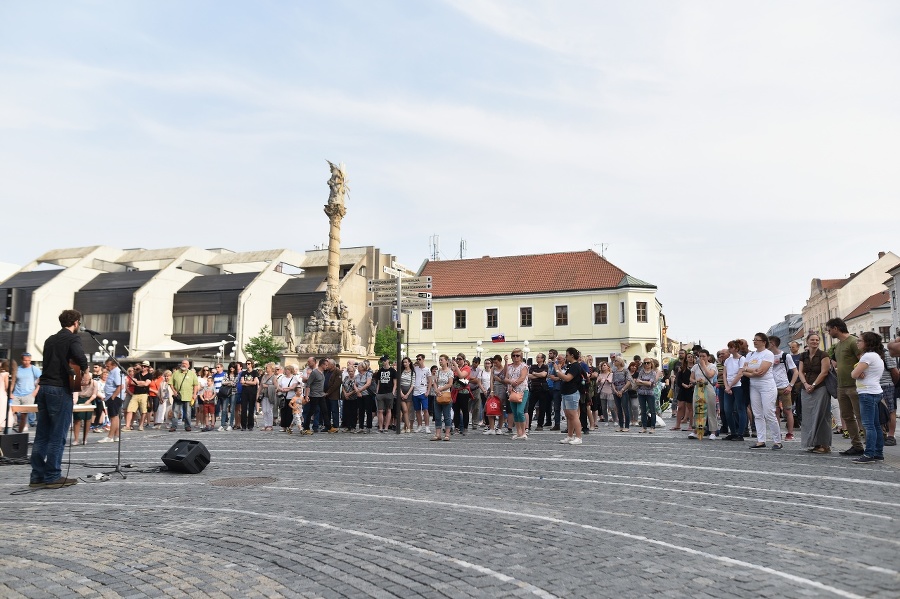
x=403, y=294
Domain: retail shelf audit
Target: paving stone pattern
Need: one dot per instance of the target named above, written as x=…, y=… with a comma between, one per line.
x=386, y=515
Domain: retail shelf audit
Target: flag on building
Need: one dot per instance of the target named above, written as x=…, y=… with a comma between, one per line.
x=501, y=338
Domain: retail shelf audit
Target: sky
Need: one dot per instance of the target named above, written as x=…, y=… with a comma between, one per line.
x=727, y=152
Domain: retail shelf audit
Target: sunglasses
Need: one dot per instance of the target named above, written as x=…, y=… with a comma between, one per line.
x=517, y=355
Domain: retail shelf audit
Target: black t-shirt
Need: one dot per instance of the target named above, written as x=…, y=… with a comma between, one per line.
x=573, y=386
x=537, y=384
x=138, y=390
x=385, y=380
x=246, y=376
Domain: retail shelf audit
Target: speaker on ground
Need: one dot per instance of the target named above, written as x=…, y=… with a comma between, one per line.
x=186, y=456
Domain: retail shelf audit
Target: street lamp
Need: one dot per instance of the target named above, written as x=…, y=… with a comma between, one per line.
x=525, y=350
x=434, y=352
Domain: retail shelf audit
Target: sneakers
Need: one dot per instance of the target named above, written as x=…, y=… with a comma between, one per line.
x=62, y=481
x=229, y=428
x=519, y=437
x=789, y=437
x=566, y=440
x=852, y=451
x=713, y=437
x=488, y=431
x=575, y=441
x=890, y=441
x=221, y=428
x=105, y=440
x=863, y=459
x=427, y=429
x=777, y=446
x=692, y=436
x=332, y=430
x=36, y=485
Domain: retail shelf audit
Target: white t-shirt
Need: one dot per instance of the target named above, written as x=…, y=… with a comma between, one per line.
x=732, y=365
x=755, y=359
x=870, y=381
x=420, y=381
x=699, y=375
x=779, y=370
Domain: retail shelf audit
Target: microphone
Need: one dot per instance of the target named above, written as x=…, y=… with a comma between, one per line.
x=89, y=331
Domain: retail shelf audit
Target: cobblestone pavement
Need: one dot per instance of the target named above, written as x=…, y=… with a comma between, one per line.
x=386, y=515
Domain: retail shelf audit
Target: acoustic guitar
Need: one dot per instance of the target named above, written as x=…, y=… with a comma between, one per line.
x=74, y=377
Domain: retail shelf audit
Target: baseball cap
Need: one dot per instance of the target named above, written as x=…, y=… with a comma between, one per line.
x=26, y=355
x=145, y=363
x=385, y=358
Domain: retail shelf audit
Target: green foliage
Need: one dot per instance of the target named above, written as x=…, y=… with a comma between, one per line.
x=386, y=343
x=264, y=347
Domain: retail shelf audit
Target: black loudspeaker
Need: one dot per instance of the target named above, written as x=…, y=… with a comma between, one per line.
x=14, y=445
x=186, y=456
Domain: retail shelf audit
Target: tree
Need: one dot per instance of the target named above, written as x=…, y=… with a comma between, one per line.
x=386, y=343
x=264, y=347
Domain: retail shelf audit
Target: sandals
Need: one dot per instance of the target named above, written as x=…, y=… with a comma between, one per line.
x=438, y=438
x=446, y=437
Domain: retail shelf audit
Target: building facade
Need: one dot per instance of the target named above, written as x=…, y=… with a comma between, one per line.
x=165, y=304
x=537, y=302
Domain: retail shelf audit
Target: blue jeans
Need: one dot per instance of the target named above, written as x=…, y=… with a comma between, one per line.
x=184, y=409
x=442, y=416
x=232, y=403
x=736, y=410
x=724, y=424
x=648, y=411
x=54, y=417
x=868, y=413
x=334, y=406
x=557, y=405
x=623, y=409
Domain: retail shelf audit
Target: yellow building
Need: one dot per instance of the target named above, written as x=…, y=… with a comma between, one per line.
x=538, y=302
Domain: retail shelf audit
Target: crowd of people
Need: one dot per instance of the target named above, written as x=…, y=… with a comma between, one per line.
x=745, y=390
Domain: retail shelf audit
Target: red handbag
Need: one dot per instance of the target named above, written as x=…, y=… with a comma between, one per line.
x=493, y=407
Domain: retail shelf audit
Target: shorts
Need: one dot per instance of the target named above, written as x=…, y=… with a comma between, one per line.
x=114, y=406
x=208, y=408
x=384, y=401
x=570, y=402
x=785, y=399
x=887, y=392
x=138, y=403
x=501, y=394
x=83, y=416
x=22, y=400
x=420, y=402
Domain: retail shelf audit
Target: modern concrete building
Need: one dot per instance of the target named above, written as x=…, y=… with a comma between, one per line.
x=537, y=302
x=786, y=329
x=168, y=303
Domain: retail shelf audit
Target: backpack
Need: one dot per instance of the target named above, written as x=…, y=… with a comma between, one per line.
x=788, y=372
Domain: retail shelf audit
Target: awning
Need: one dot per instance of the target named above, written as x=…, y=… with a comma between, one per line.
x=169, y=349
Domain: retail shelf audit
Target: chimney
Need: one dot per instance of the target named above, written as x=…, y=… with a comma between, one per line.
x=880, y=255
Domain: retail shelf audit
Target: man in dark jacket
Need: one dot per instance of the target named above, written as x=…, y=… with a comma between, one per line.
x=54, y=402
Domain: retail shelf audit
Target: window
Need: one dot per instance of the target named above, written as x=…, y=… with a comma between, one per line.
x=362, y=271
x=622, y=312
x=885, y=333
x=525, y=317
x=211, y=324
x=278, y=325
x=108, y=323
x=492, y=318
x=427, y=320
x=600, y=314
x=641, y=311
x=562, y=316
x=459, y=319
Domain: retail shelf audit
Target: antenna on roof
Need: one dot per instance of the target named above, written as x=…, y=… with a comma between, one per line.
x=462, y=248
x=603, y=248
x=434, y=247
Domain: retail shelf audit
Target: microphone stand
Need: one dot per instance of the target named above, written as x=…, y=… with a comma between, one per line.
x=118, y=469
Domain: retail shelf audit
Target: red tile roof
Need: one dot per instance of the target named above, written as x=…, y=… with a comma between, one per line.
x=536, y=273
x=833, y=283
x=879, y=299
